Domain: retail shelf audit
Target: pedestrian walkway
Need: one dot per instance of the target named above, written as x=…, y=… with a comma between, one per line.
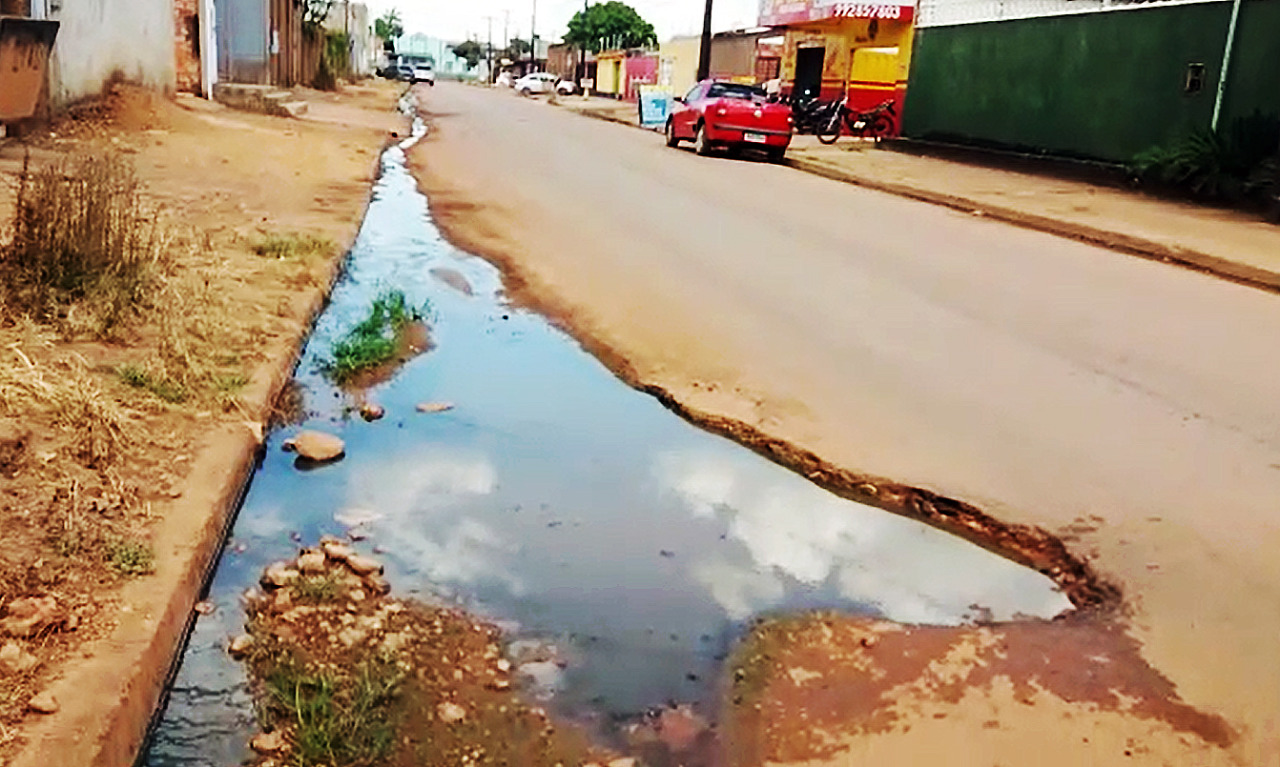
x=1228, y=243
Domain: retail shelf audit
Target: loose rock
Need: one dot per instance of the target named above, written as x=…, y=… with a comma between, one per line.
x=450, y=712
x=240, y=646
x=278, y=575
x=372, y=412
x=15, y=660
x=316, y=446
x=337, y=551
x=311, y=563
x=28, y=617
x=269, y=742
x=435, y=407
x=205, y=607
x=44, y=703
x=377, y=583
x=364, y=565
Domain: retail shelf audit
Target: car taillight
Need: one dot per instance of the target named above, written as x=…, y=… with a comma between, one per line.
x=722, y=111
x=791, y=120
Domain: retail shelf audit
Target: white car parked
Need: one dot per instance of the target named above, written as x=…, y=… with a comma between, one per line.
x=424, y=73
x=535, y=83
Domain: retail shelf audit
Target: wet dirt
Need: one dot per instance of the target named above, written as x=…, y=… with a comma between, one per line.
x=802, y=688
x=622, y=551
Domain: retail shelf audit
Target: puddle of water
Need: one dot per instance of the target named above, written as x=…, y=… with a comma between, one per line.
x=622, y=548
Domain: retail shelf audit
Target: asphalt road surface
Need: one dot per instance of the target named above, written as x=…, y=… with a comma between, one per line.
x=1045, y=380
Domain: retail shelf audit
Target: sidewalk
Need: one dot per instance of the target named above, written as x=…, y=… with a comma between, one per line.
x=1227, y=243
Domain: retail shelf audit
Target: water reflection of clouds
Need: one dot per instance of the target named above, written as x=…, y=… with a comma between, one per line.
x=422, y=499
x=795, y=534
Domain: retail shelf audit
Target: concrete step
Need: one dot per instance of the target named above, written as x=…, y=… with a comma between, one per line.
x=264, y=99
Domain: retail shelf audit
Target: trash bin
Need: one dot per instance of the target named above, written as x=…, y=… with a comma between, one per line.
x=24, y=64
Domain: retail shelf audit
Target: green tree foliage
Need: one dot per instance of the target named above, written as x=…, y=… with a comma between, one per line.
x=609, y=25
x=471, y=51
x=516, y=49
x=389, y=27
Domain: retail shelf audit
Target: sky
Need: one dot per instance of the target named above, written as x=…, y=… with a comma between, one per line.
x=460, y=19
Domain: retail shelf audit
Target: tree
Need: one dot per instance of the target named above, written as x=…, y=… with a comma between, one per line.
x=516, y=49
x=388, y=27
x=609, y=25
x=471, y=51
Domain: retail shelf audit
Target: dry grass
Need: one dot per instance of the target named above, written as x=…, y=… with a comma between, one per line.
x=62, y=386
x=83, y=247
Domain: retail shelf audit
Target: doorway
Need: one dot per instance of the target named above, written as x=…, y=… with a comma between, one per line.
x=809, y=72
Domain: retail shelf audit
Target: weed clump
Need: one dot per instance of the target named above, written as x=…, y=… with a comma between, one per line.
x=339, y=718
x=285, y=246
x=318, y=588
x=376, y=341
x=81, y=235
x=130, y=557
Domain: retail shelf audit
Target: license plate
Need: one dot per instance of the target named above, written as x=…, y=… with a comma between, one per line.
x=754, y=138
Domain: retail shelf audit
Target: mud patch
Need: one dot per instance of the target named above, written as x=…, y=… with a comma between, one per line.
x=801, y=687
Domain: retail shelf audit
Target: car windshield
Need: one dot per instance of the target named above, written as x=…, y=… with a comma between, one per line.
x=735, y=91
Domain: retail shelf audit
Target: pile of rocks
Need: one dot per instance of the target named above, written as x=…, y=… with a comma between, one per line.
x=23, y=622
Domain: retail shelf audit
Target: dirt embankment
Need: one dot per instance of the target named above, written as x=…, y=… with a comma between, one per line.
x=129, y=425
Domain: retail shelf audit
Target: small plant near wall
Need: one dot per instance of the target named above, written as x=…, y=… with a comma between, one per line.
x=1227, y=165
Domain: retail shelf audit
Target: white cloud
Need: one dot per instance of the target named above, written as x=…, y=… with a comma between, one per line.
x=795, y=533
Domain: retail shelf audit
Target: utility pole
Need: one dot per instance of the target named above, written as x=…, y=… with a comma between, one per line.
x=533, y=38
x=489, y=50
x=704, y=54
x=582, y=50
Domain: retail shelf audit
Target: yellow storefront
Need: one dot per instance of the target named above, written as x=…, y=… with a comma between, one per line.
x=832, y=49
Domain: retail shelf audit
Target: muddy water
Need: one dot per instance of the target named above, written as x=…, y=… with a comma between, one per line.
x=623, y=549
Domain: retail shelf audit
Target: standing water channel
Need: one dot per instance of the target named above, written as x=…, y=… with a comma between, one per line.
x=559, y=503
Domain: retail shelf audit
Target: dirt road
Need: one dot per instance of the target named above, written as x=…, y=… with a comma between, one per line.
x=1127, y=405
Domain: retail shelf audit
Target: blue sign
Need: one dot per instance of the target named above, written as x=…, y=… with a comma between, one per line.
x=655, y=106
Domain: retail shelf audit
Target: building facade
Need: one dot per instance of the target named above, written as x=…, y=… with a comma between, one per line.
x=833, y=49
x=1101, y=79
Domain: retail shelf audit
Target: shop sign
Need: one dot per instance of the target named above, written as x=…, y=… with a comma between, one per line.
x=782, y=12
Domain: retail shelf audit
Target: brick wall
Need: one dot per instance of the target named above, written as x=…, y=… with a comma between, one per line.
x=187, y=45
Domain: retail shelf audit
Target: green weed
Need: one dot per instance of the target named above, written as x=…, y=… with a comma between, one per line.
x=373, y=342
x=318, y=588
x=130, y=557
x=164, y=387
x=338, y=719
x=283, y=246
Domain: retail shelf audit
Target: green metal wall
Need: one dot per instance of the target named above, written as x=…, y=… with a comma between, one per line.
x=1099, y=85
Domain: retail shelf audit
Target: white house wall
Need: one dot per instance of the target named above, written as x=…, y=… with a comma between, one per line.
x=133, y=39
x=946, y=13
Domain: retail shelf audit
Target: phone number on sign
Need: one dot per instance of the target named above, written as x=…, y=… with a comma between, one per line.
x=864, y=11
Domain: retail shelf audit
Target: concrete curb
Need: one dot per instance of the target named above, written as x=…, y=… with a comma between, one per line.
x=133, y=664
x=1135, y=246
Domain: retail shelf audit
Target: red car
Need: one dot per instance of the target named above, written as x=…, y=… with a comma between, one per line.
x=730, y=115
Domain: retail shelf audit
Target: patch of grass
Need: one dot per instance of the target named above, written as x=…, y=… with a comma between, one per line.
x=289, y=245
x=82, y=237
x=373, y=342
x=318, y=588
x=130, y=557
x=338, y=719
x=161, y=385
x=230, y=382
